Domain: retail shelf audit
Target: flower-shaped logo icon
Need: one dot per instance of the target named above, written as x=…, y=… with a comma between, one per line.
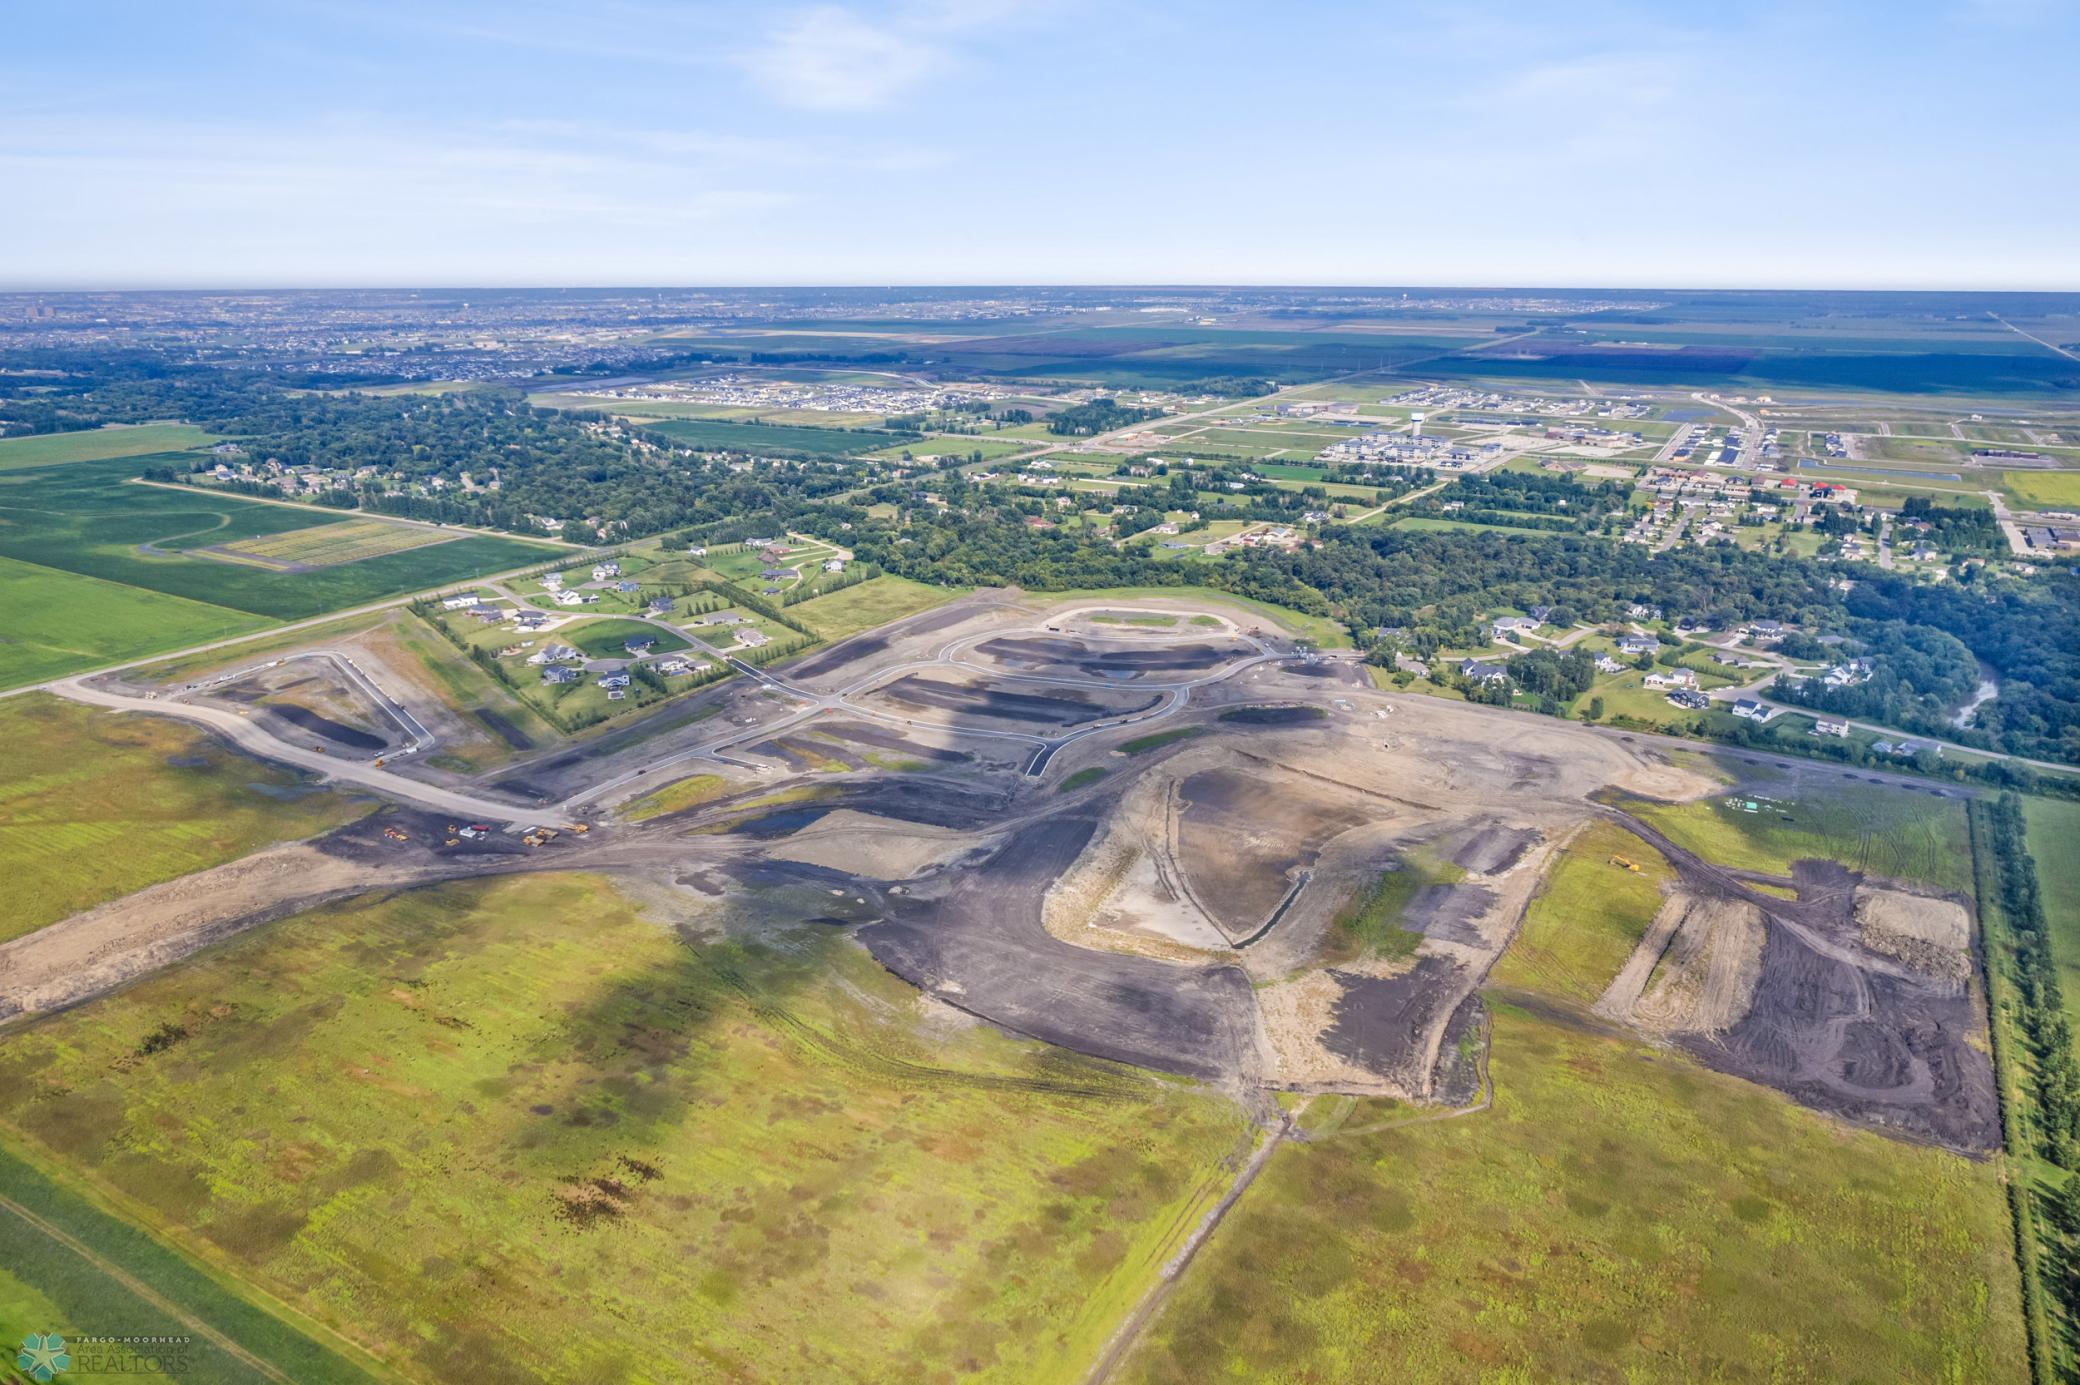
x=43, y=1357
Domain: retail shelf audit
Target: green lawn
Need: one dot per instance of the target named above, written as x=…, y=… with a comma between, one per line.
x=96, y=444
x=1141, y=745
x=53, y=623
x=1587, y=917
x=867, y=604
x=97, y=804
x=512, y=1130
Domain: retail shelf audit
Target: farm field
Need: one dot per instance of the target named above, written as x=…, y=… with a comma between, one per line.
x=98, y=444
x=57, y=623
x=1884, y=831
x=328, y=545
x=619, y=1144
x=2043, y=489
x=990, y=446
x=85, y=517
x=864, y=605
x=721, y=435
x=2052, y=827
x=1619, y=1213
x=96, y=805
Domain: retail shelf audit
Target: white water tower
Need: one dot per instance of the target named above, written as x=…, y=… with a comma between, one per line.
x=1415, y=422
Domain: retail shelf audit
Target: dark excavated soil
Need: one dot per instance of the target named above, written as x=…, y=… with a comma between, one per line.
x=1052, y=709
x=1274, y=716
x=984, y=937
x=1100, y=661
x=1381, y=1020
x=885, y=738
x=501, y=728
x=1456, y=1078
x=304, y=719
x=1243, y=835
x=839, y=655
x=1493, y=847
x=1862, y=1044
x=1446, y=913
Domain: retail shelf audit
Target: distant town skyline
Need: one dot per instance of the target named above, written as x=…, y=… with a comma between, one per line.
x=999, y=142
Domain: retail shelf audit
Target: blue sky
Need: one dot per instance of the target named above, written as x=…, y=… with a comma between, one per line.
x=636, y=142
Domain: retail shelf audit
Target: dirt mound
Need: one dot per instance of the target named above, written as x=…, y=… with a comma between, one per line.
x=1933, y=936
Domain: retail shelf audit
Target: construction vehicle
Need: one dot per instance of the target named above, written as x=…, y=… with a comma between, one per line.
x=396, y=834
x=452, y=841
x=1626, y=862
x=379, y=762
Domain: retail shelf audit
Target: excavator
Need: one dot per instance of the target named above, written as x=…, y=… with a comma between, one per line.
x=1626, y=862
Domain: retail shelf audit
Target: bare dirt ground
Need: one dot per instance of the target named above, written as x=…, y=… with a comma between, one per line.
x=1174, y=905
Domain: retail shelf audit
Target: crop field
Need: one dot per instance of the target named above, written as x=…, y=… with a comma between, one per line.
x=1587, y=917
x=618, y=1145
x=865, y=605
x=1619, y=1213
x=97, y=444
x=85, y=517
x=96, y=805
x=2043, y=489
x=991, y=448
x=719, y=435
x=53, y=623
x=1884, y=831
x=328, y=545
x=2053, y=829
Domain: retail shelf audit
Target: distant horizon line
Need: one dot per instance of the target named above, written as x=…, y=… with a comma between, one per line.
x=1096, y=286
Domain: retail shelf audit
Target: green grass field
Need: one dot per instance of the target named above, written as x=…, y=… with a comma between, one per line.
x=1587, y=917
x=97, y=804
x=2053, y=828
x=675, y=797
x=720, y=435
x=867, y=604
x=53, y=623
x=85, y=517
x=513, y=1130
x=97, y=444
x=1621, y=1213
x=1141, y=745
x=1883, y=831
x=2057, y=490
x=605, y=639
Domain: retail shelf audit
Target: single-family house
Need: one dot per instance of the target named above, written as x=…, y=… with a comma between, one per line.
x=1474, y=670
x=557, y=674
x=1824, y=727
x=1752, y=710
x=602, y=571
x=1671, y=678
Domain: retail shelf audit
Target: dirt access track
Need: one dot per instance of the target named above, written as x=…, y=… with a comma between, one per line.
x=1130, y=829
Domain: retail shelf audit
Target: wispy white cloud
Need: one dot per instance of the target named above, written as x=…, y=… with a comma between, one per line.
x=830, y=59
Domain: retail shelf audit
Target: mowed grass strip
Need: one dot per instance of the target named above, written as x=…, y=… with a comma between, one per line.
x=876, y=601
x=1620, y=1213
x=97, y=444
x=95, y=805
x=54, y=623
x=1588, y=915
x=513, y=1130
